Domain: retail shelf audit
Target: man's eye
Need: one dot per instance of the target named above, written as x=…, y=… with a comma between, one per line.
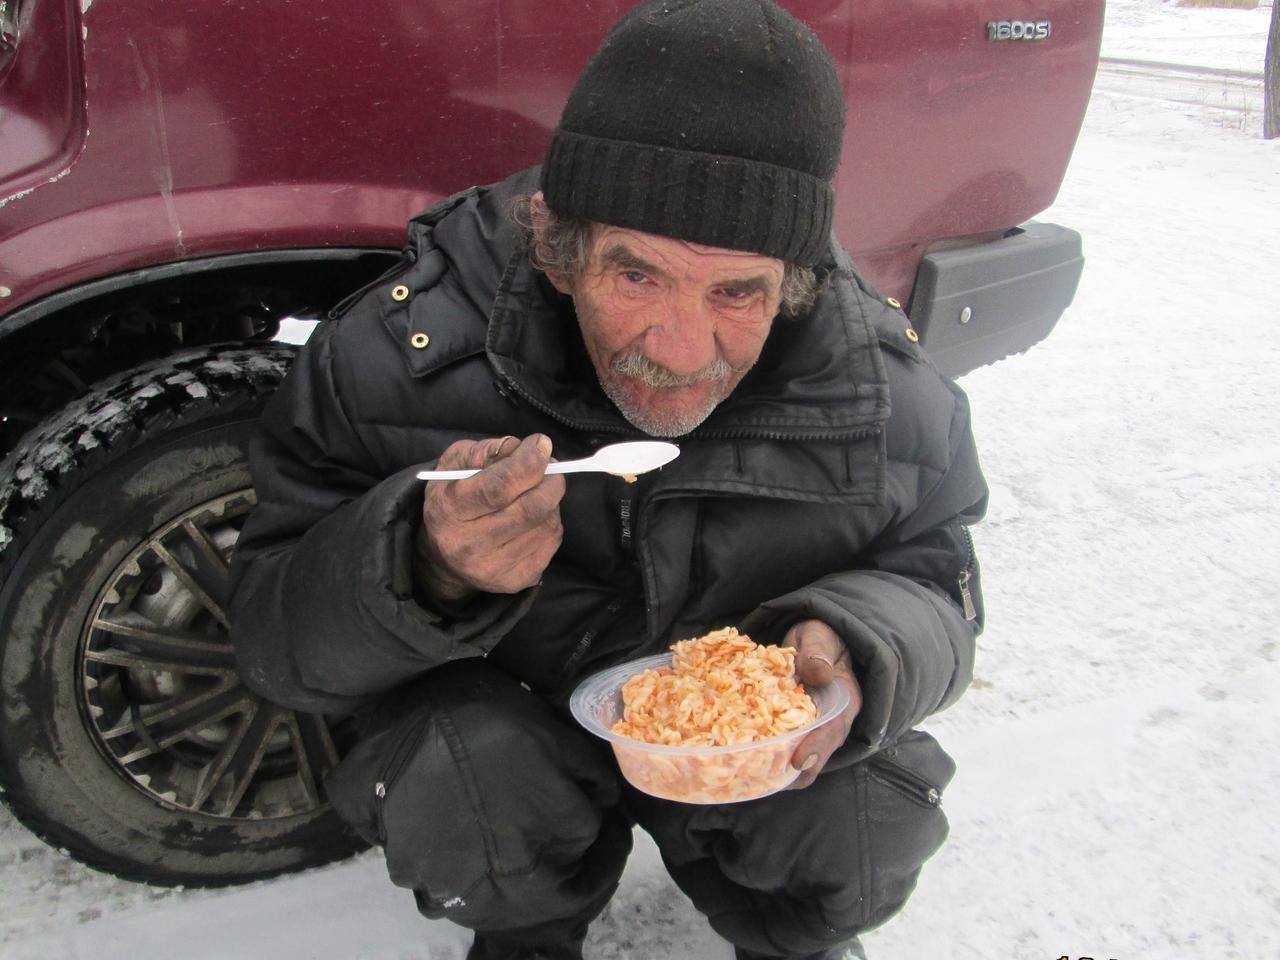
x=633, y=276
x=734, y=294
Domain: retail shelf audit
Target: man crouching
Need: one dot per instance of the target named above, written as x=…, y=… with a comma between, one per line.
x=670, y=272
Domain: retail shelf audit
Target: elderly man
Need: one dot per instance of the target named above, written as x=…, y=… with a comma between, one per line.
x=668, y=272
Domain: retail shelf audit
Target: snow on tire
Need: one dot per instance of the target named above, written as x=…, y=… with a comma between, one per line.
x=126, y=735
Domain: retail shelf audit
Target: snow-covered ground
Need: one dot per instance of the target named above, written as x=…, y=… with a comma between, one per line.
x=1119, y=752
x=1160, y=30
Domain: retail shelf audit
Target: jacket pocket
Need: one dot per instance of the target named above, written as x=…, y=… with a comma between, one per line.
x=358, y=787
x=405, y=743
x=915, y=767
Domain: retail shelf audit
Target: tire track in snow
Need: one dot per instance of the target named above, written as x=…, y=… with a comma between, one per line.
x=1232, y=91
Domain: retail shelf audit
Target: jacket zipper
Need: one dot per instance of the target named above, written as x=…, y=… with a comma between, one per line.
x=966, y=573
x=854, y=433
x=397, y=760
x=588, y=638
x=627, y=511
x=907, y=781
x=857, y=433
x=515, y=388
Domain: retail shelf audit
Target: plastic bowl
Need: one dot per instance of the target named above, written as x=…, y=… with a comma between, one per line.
x=727, y=774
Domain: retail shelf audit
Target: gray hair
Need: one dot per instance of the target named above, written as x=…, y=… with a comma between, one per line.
x=564, y=247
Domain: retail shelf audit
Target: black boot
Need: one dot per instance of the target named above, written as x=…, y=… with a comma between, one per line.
x=488, y=946
x=849, y=950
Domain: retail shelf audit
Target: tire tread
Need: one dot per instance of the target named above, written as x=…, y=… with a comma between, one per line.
x=52, y=461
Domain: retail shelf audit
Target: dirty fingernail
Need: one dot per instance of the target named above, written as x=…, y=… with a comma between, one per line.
x=809, y=762
x=544, y=446
x=821, y=659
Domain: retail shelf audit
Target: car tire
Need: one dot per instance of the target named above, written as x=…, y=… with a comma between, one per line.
x=127, y=738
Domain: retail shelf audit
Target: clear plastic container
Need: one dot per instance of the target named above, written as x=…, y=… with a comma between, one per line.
x=726, y=774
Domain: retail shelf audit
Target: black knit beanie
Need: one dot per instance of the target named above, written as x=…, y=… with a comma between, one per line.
x=713, y=121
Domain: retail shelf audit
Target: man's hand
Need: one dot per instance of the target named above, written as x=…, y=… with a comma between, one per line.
x=821, y=659
x=494, y=532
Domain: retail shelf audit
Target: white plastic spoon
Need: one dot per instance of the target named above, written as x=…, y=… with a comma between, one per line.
x=621, y=459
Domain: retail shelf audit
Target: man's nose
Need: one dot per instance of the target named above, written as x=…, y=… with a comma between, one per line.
x=683, y=338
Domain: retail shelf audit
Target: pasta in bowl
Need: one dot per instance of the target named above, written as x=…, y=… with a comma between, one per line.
x=714, y=721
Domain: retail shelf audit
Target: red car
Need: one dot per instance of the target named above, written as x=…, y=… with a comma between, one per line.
x=178, y=176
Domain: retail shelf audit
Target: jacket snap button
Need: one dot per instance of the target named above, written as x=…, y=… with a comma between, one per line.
x=419, y=340
x=399, y=292
x=893, y=303
x=912, y=335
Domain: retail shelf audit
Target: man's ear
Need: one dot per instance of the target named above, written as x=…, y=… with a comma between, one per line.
x=539, y=216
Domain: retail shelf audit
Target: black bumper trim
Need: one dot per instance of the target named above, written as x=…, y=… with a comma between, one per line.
x=1014, y=290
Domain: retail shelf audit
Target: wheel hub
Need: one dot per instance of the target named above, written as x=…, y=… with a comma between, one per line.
x=159, y=689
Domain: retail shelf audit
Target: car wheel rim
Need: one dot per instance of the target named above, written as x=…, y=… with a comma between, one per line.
x=159, y=690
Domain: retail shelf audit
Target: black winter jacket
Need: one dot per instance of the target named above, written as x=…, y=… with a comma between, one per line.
x=833, y=483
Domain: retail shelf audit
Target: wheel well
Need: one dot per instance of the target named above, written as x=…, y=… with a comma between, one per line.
x=151, y=313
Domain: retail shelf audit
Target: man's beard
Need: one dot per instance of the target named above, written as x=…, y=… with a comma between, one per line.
x=635, y=365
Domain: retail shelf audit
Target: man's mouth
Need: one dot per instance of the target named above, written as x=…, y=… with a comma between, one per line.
x=637, y=366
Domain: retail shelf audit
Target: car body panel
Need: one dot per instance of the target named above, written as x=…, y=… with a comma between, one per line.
x=216, y=128
x=42, y=95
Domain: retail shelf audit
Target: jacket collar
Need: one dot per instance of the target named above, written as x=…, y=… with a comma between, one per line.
x=805, y=424
x=818, y=378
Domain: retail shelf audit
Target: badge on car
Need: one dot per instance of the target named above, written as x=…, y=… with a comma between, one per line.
x=1018, y=30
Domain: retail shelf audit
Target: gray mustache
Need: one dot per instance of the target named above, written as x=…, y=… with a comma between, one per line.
x=636, y=364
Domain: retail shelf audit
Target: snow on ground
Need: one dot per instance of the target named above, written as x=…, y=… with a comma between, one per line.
x=1118, y=751
x=1222, y=39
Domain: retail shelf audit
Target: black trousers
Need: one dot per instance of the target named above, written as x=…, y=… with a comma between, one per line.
x=504, y=816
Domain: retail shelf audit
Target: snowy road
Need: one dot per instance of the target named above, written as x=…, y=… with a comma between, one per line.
x=1118, y=751
x=1234, y=91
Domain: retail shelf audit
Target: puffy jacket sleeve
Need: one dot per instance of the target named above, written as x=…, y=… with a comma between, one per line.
x=902, y=611
x=324, y=609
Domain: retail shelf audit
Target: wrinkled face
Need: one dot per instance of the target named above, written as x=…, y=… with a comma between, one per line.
x=671, y=327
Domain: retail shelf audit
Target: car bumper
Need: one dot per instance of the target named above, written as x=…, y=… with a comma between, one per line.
x=975, y=305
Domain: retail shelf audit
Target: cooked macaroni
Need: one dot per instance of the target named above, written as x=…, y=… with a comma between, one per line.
x=722, y=689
